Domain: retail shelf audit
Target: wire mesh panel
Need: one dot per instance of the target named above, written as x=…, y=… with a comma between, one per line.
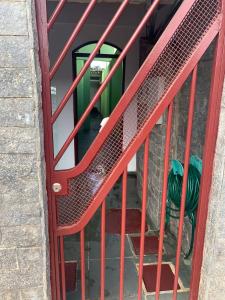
x=169, y=65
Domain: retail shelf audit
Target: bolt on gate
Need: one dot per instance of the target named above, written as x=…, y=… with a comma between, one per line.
x=72, y=198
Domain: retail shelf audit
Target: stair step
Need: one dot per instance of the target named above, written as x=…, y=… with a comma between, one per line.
x=133, y=221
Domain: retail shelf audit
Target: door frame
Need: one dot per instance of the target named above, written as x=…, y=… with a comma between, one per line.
x=75, y=55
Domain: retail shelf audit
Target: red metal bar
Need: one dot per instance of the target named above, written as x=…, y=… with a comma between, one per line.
x=82, y=264
x=143, y=215
x=208, y=156
x=88, y=62
x=41, y=18
x=140, y=138
x=72, y=38
x=102, y=282
x=103, y=85
x=123, y=232
x=164, y=198
x=55, y=14
x=185, y=178
x=62, y=264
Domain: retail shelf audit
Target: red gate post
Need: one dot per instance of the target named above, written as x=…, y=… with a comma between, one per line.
x=217, y=82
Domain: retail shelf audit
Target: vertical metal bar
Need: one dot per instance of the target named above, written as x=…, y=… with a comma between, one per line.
x=55, y=14
x=217, y=81
x=123, y=232
x=185, y=178
x=56, y=266
x=41, y=17
x=82, y=264
x=164, y=198
x=143, y=216
x=62, y=264
x=72, y=38
x=102, y=282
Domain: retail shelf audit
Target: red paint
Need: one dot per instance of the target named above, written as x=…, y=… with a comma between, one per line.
x=123, y=232
x=164, y=197
x=55, y=14
x=102, y=287
x=133, y=221
x=82, y=265
x=167, y=278
x=143, y=215
x=151, y=244
x=185, y=177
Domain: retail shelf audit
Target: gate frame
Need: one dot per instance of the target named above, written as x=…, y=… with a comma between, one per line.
x=209, y=148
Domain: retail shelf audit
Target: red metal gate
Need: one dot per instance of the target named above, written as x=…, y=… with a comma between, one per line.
x=72, y=198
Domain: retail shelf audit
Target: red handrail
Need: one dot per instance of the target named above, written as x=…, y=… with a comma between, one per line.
x=104, y=84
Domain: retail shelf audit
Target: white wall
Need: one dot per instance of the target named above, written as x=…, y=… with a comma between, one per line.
x=93, y=29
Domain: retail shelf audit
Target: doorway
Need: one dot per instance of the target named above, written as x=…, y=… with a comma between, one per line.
x=87, y=88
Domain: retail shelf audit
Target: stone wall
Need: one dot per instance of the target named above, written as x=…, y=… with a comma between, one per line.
x=23, y=217
x=212, y=284
x=157, y=140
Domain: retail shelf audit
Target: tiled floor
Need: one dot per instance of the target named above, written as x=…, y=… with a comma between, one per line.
x=92, y=255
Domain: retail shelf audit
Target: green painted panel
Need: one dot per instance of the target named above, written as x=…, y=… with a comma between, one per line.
x=83, y=93
x=105, y=107
x=116, y=86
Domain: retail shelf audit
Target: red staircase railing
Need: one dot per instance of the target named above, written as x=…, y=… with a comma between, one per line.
x=84, y=188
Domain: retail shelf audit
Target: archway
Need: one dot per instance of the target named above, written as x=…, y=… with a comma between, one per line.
x=89, y=85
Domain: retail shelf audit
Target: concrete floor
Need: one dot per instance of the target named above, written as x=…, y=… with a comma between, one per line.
x=92, y=248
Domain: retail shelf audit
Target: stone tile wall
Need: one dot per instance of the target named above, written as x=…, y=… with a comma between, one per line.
x=212, y=284
x=23, y=214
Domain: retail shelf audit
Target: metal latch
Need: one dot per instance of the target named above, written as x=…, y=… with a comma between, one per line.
x=56, y=187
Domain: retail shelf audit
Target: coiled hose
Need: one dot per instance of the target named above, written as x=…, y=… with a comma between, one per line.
x=175, y=181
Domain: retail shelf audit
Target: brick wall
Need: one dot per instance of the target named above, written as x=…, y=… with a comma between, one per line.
x=23, y=225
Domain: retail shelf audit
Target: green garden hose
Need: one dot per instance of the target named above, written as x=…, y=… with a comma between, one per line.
x=175, y=181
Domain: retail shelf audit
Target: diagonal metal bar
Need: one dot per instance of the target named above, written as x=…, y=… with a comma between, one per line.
x=89, y=60
x=55, y=14
x=104, y=84
x=72, y=38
